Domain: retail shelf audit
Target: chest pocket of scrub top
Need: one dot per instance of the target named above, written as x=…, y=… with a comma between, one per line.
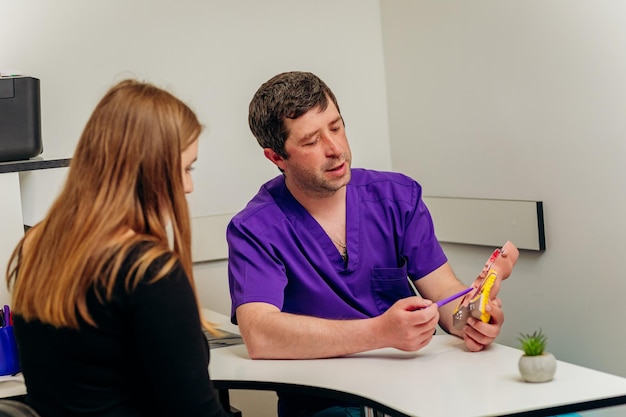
x=390, y=285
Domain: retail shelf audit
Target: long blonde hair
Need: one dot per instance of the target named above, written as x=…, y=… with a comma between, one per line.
x=125, y=176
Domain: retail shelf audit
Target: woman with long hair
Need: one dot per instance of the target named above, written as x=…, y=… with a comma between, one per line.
x=105, y=310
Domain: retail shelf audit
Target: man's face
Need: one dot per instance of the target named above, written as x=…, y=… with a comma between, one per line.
x=319, y=157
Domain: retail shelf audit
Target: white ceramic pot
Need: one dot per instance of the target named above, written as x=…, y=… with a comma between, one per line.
x=540, y=368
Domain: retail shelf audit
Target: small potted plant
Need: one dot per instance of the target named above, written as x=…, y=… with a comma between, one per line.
x=536, y=365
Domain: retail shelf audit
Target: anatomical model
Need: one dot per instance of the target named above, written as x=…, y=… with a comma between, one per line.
x=486, y=286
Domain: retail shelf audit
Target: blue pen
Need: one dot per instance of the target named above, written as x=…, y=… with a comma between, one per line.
x=445, y=301
x=453, y=297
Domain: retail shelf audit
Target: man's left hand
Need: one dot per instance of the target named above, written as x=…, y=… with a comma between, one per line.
x=477, y=335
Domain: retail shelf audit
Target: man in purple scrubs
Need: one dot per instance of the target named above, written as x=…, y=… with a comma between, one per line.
x=319, y=258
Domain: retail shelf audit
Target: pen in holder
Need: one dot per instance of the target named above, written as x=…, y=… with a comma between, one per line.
x=9, y=359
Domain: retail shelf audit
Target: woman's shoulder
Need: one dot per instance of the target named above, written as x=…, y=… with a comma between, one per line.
x=148, y=254
x=139, y=261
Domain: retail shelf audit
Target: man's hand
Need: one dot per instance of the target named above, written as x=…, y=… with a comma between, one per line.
x=409, y=324
x=478, y=335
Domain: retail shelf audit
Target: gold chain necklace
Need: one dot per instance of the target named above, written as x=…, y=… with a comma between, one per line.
x=338, y=243
x=344, y=248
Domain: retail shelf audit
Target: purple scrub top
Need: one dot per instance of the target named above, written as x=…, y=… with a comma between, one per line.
x=279, y=254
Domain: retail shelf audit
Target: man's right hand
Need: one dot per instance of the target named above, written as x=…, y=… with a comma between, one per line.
x=409, y=324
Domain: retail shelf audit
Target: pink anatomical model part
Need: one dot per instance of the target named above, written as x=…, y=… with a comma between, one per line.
x=486, y=286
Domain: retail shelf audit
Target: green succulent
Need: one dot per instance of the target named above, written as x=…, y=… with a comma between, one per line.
x=533, y=344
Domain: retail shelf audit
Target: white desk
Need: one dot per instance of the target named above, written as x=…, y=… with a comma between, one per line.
x=441, y=380
x=12, y=386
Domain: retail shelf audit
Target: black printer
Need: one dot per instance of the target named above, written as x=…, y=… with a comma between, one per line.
x=20, y=118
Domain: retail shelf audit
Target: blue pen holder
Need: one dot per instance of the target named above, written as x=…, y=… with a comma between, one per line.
x=9, y=359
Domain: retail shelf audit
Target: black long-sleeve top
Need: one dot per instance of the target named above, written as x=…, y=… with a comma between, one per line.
x=147, y=356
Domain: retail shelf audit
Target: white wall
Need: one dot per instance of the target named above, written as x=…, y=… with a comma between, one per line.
x=524, y=100
x=490, y=98
x=213, y=55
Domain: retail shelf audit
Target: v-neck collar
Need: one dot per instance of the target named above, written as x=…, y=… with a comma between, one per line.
x=309, y=225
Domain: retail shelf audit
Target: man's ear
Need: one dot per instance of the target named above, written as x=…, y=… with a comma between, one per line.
x=276, y=159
